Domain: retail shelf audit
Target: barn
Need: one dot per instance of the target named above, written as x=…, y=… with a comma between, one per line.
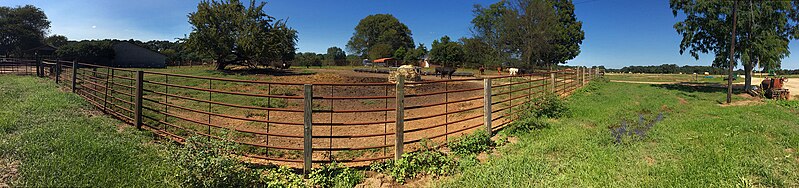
x=131, y=55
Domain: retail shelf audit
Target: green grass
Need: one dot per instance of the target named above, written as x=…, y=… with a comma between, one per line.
x=698, y=144
x=61, y=142
x=669, y=78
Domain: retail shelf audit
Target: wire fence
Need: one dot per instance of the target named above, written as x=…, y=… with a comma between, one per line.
x=300, y=124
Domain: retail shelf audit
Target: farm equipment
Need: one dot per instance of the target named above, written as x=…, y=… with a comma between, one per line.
x=772, y=88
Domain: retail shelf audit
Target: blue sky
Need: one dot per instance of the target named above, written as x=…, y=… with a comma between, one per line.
x=618, y=32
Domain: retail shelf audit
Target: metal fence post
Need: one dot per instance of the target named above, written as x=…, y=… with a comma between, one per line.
x=487, y=104
x=139, y=85
x=554, y=88
x=399, y=131
x=308, y=128
x=74, y=75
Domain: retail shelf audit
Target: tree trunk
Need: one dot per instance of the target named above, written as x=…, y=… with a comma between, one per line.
x=748, y=71
x=221, y=64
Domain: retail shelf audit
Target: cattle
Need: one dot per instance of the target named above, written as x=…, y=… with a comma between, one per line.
x=445, y=71
x=513, y=71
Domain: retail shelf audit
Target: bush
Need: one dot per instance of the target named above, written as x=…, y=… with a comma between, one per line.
x=210, y=163
x=474, y=143
x=427, y=161
x=526, y=124
x=335, y=175
x=550, y=106
x=626, y=133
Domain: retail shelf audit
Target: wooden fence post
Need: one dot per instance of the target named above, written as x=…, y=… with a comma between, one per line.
x=39, y=68
x=399, y=131
x=554, y=81
x=57, y=72
x=139, y=84
x=487, y=104
x=74, y=75
x=582, y=76
x=308, y=128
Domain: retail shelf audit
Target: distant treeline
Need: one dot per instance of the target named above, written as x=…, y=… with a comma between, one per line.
x=674, y=69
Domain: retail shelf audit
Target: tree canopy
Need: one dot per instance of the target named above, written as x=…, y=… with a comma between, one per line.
x=336, y=56
x=56, y=40
x=378, y=36
x=527, y=32
x=233, y=33
x=22, y=28
x=446, y=52
x=98, y=52
x=764, y=29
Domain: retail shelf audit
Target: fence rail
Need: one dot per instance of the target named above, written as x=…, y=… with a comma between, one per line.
x=299, y=124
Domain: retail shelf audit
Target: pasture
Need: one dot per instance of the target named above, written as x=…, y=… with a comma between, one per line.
x=699, y=143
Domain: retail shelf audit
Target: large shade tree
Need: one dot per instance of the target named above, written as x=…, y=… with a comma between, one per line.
x=764, y=29
x=446, y=52
x=381, y=31
x=530, y=32
x=234, y=33
x=22, y=28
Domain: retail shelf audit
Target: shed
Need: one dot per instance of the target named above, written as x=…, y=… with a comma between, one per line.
x=131, y=55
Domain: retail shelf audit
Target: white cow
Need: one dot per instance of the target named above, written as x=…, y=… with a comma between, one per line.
x=513, y=71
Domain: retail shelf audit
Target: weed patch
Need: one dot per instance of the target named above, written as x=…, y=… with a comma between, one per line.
x=427, y=161
x=474, y=143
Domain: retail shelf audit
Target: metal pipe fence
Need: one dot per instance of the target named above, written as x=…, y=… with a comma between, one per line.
x=302, y=124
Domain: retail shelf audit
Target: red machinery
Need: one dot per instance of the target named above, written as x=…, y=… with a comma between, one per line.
x=772, y=88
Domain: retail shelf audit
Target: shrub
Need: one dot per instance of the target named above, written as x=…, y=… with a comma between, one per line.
x=526, y=124
x=335, y=175
x=474, y=143
x=426, y=161
x=210, y=163
x=632, y=132
x=550, y=106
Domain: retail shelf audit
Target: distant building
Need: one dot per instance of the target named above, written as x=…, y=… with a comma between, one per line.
x=42, y=51
x=131, y=55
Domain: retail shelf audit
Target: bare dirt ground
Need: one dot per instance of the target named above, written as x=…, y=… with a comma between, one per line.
x=8, y=171
x=347, y=126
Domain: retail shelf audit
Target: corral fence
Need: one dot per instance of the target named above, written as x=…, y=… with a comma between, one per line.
x=306, y=124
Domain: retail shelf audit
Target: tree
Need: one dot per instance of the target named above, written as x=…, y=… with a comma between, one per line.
x=380, y=51
x=534, y=33
x=336, y=56
x=764, y=29
x=233, y=33
x=414, y=55
x=382, y=31
x=399, y=54
x=56, y=40
x=94, y=52
x=22, y=28
x=477, y=53
x=448, y=53
x=309, y=59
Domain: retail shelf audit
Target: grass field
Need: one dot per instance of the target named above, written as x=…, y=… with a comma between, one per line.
x=55, y=139
x=668, y=78
x=699, y=144
x=679, y=78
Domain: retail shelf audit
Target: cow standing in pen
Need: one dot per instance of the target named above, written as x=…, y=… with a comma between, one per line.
x=445, y=71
